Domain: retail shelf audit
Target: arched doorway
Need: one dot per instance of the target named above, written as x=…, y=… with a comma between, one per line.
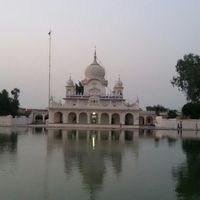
x=83, y=118
x=115, y=118
x=72, y=118
x=39, y=119
x=58, y=117
x=149, y=120
x=94, y=118
x=128, y=119
x=141, y=120
x=46, y=117
x=104, y=118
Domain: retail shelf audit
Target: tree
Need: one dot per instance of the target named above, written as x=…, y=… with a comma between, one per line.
x=9, y=105
x=191, y=110
x=188, y=80
x=14, y=101
x=172, y=114
x=4, y=103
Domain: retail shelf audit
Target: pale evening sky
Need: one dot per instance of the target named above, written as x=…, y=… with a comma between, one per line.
x=139, y=39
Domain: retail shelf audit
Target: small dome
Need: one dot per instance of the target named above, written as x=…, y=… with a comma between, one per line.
x=118, y=83
x=70, y=82
x=95, y=71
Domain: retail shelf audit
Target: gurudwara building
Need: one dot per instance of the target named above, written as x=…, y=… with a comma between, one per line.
x=89, y=104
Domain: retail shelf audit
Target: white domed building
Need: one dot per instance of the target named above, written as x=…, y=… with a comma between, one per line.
x=90, y=105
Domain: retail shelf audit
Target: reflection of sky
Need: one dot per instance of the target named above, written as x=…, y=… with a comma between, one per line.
x=153, y=34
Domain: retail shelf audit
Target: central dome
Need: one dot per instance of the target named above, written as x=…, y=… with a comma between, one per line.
x=94, y=70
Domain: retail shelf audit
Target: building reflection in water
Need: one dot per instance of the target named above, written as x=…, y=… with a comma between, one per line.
x=38, y=130
x=92, y=152
x=187, y=174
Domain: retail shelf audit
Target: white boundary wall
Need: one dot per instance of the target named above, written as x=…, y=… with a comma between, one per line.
x=192, y=124
x=6, y=120
x=10, y=121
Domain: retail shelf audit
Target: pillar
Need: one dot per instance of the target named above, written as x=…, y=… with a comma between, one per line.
x=77, y=117
x=43, y=118
x=99, y=118
x=51, y=117
x=88, y=118
x=65, y=117
x=110, y=118
x=122, y=118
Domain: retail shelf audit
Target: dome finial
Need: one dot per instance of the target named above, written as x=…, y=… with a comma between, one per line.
x=95, y=53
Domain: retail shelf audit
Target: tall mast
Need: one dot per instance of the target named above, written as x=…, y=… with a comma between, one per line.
x=49, y=93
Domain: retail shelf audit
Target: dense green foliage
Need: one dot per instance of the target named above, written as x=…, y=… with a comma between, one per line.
x=188, y=79
x=79, y=88
x=172, y=114
x=9, y=105
x=191, y=110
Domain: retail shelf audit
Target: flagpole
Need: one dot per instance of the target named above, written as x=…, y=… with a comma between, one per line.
x=49, y=93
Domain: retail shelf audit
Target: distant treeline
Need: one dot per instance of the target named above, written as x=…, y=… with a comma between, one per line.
x=160, y=109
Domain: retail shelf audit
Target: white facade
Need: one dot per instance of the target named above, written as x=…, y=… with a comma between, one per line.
x=90, y=104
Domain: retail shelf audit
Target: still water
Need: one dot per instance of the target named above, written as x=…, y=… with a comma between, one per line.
x=39, y=164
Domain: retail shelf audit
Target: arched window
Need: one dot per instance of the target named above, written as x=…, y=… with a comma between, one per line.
x=38, y=119
x=115, y=118
x=94, y=118
x=83, y=118
x=104, y=118
x=72, y=118
x=149, y=120
x=128, y=119
x=141, y=120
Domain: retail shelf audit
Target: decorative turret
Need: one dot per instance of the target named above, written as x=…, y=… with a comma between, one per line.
x=118, y=88
x=70, y=88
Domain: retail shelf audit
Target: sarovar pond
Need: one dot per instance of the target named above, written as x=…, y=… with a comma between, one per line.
x=40, y=164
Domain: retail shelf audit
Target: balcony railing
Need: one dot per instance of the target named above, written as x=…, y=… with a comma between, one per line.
x=88, y=96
